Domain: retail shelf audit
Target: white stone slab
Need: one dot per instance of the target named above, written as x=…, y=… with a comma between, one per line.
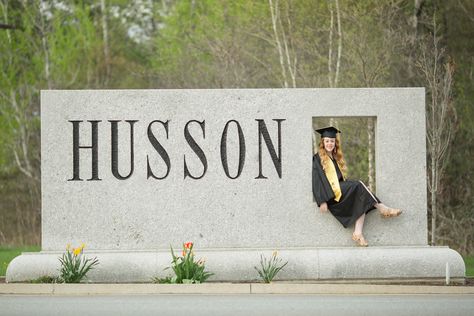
x=216, y=211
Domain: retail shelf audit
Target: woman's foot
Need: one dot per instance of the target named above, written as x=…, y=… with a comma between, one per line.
x=390, y=212
x=360, y=240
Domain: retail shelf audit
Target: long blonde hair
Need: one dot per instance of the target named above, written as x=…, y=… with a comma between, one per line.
x=337, y=154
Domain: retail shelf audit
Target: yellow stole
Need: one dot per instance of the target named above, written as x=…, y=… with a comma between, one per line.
x=331, y=174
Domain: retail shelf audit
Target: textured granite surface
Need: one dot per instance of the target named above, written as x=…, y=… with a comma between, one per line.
x=141, y=213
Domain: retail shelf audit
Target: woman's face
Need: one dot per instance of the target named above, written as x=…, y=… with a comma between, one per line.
x=329, y=144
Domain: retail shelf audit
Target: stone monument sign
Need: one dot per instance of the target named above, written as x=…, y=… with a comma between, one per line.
x=131, y=172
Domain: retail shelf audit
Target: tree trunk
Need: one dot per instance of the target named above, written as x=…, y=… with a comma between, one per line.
x=105, y=35
x=331, y=29
x=433, y=199
x=370, y=154
x=44, y=44
x=418, y=4
x=339, y=44
x=291, y=65
x=274, y=13
x=333, y=79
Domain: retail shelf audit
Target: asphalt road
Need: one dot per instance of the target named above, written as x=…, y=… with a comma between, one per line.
x=249, y=304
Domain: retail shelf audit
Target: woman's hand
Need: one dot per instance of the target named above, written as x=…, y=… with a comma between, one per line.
x=323, y=207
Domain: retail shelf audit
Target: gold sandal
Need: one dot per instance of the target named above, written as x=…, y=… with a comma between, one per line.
x=390, y=212
x=360, y=240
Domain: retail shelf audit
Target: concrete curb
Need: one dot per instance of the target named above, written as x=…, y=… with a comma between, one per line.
x=226, y=288
x=375, y=289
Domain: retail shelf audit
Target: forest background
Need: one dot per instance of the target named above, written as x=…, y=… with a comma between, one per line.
x=146, y=44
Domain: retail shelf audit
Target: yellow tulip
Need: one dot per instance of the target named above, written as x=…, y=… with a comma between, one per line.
x=68, y=246
x=275, y=253
x=77, y=251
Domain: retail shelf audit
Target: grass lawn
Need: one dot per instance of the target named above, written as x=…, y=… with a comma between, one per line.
x=7, y=255
x=469, y=266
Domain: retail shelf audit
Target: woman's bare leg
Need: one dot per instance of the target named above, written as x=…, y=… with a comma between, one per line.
x=359, y=224
x=357, y=235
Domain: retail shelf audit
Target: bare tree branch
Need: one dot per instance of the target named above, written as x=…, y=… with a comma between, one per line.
x=465, y=11
x=441, y=118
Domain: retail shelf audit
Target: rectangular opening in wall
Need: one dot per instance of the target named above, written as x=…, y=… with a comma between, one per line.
x=357, y=143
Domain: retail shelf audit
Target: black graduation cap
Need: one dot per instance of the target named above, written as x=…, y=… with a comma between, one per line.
x=328, y=132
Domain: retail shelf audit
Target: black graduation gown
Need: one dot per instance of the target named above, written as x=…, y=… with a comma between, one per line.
x=356, y=198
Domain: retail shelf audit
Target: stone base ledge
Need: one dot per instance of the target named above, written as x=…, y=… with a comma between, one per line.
x=237, y=265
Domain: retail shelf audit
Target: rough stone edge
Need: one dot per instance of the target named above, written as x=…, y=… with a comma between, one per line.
x=238, y=265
